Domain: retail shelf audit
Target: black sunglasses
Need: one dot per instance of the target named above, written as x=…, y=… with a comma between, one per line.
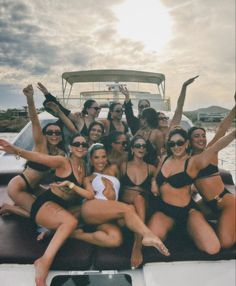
x=78, y=144
x=163, y=118
x=143, y=106
x=123, y=143
x=139, y=146
x=52, y=132
x=118, y=110
x=96, y=108
x=172, y=144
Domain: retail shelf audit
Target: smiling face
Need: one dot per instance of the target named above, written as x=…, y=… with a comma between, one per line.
x=198, y=140
x=79, y=147
x=95, y=133
x=139, y=148
x=99, y=160
x=177, y=145
x=53, y=134
x=163, y=120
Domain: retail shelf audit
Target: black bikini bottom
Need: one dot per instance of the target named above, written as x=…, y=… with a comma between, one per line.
x=179, y=214
x=28, y=187
x=42, y=199
x=213, y=204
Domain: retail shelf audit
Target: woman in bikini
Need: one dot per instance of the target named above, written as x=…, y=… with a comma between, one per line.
x=175, y=205
x=136, y=181
x=210, y=185
x=50, y=208
x=106, y=209
x=48, y=140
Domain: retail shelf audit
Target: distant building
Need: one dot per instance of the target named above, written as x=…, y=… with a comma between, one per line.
x=211, y=116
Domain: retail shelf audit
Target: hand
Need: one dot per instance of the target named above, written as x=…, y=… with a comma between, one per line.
x=7, y=147
x=154, y=188
x=53, y=106
x=28, y=90
x=124, y=90
x=189, y=81
x=61, y=184
x=42, y=88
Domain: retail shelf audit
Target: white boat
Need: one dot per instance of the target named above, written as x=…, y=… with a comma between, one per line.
x=83, y=264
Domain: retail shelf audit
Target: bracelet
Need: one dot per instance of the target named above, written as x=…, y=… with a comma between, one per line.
x=18, y=155
x=71, y=186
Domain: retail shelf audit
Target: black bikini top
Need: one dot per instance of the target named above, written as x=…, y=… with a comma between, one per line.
x=146, y=183
x=151, y=152
x=70, y=178
x=37, y=166
x=113, y=128
x=178, y=180
x=209, y=171
x=84, y=130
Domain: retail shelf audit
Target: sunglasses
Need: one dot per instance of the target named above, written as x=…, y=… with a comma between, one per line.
x=123, y=143
x=163, y=118
x=172, y=144
x=96, y=108
x=118, y=110
x=143, y=106
x=52, y=132
x=78, y=144
x=139, y=146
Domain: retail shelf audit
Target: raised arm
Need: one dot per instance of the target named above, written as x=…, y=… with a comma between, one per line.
x=66, y=120
x=203, y=160
x=224, y=125
x=180, y=103
x=38, y=137
x=50, y=161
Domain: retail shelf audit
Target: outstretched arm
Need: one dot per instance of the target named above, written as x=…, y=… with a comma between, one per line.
x=38, y=137
x=50, y=161
x=67, y=122
x=224, y=125
x=180, y=103
x=202, y=160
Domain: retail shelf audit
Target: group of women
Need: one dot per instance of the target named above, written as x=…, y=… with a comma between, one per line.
x=105, y=179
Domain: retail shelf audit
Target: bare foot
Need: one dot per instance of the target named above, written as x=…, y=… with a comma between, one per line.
x=136, y=256
x=150, y=239
x=41, y=271
x=6, y=209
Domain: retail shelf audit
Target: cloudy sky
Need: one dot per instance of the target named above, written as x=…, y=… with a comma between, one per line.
x=40, y=40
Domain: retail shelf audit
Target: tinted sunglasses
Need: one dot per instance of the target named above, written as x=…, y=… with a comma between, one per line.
x=118, y=110
x=78, y=144
x=96, y=108
x=143, y=106
x=172, y=144
x=52, y=132
x=123, y=143
x=163, y=118
x=139, y=146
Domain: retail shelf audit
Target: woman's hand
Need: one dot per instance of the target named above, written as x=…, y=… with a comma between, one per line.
x=109, y=191
x=8, y=147
x=154, y=188
x=42, y=88
x=53, y=106
x=28, y=90
x=124, y=90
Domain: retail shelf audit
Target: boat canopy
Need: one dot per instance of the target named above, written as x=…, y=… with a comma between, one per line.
x=112, y=75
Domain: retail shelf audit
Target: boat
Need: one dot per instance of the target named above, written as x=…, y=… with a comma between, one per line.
x=79, y=263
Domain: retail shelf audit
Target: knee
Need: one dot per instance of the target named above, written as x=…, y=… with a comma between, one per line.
x=213, y=248
x=227, y=242
x=115, y=240
x=71, y=222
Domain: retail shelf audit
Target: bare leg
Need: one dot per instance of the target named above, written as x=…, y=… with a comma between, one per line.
x=17, y=191
x=136, y=255
x=100, y=211
x=202, y=233
x=52, y=216
x=160, y=224
x=7, y=209
x=227, y=222
x=106, y=235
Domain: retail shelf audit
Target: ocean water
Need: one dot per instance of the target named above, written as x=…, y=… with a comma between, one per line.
x=226, y=156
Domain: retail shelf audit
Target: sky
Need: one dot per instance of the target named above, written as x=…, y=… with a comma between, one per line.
x=40, y=40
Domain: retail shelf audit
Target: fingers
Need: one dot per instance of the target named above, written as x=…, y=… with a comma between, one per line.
x=162, y=249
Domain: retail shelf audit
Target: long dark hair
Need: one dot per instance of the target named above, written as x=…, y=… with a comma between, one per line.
x=94, y=123
x=88, y=103
x=180, y=131
x=131, y=145
x=151, y=117
x=111, y=108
